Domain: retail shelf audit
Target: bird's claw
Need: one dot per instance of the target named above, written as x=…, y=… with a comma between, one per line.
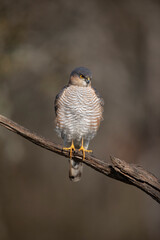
x=71, y=149
x=83, y=150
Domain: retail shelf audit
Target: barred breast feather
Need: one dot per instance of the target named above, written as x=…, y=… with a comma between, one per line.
x=78, y=113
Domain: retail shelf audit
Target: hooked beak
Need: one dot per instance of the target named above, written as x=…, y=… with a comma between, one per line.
x=87, y=80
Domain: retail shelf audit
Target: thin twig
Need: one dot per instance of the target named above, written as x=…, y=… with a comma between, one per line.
x=119, y=169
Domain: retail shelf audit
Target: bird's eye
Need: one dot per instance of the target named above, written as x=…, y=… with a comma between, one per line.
x=81, y=76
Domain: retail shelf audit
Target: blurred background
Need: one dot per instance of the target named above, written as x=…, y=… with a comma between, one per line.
x=40, y=44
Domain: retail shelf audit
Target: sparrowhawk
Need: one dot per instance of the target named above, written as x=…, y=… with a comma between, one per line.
x=78, y=109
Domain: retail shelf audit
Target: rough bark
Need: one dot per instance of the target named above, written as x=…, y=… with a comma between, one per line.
x=118, y=169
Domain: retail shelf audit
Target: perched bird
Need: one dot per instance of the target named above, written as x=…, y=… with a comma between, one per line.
x=78, y=109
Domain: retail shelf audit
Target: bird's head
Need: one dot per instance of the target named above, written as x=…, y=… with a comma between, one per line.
x=81, y=77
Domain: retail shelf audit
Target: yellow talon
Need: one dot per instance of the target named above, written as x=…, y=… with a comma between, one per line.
x=71, y=148
x=83, y=150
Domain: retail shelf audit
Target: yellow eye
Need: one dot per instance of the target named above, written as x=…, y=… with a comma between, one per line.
x=81, y=76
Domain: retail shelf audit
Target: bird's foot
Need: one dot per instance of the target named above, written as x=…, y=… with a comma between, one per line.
x=83, y=150
x=71, y=149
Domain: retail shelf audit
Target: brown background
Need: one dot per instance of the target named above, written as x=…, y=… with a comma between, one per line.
x=40, y=43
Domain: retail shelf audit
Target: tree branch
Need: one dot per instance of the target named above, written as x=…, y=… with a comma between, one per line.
x=118, y=169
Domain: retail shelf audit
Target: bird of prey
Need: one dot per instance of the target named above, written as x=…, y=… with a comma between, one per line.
x=78, y=109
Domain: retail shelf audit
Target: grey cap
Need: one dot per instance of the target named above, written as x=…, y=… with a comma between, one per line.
x=82, y=71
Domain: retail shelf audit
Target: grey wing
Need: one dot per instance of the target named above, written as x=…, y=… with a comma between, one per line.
x=57, y=98
x=101, y=102
x=99, y=96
